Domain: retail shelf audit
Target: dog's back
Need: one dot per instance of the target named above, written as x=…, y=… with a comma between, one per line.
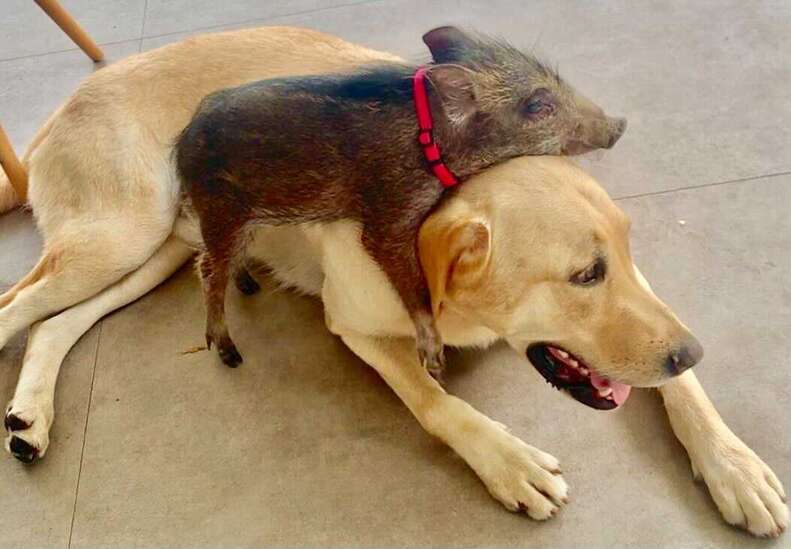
x=111, y=112
x=101, y=181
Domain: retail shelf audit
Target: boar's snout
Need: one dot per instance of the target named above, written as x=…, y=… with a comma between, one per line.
x=595, y=132
x=602, y=132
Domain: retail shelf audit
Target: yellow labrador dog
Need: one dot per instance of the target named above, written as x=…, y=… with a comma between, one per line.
x=543, y=263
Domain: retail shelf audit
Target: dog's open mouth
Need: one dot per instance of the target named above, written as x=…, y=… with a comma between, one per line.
x=571, y=374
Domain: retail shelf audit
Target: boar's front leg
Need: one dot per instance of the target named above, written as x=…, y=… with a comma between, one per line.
x=393, y=245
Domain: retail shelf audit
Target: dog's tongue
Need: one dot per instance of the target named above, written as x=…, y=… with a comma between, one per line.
x=620, y=391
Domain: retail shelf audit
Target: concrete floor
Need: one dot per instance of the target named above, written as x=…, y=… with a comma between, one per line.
x=304, y=445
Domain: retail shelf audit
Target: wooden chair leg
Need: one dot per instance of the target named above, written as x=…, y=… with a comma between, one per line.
x=71, y=28
x=12, y=166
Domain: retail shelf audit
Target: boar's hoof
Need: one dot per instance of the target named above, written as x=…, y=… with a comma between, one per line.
x=434, y=362
x=229, y=355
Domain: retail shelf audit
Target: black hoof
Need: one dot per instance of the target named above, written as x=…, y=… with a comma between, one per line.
x=436, y=368
x=13, y=423
x=246, y=283
x=230, y=355
x=433, y=361
x=23, y=451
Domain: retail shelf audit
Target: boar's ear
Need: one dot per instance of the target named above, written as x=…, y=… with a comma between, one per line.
x=454, y=252
x=447, y=44
x=456, y=90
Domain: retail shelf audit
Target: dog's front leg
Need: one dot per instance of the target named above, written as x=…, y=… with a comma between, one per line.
x=516, y=474
x=745, y=489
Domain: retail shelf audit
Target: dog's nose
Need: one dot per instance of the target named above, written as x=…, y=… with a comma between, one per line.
x=685, y=357
x=618, y=127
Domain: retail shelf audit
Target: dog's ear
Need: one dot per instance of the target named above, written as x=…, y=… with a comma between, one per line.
x=454, y=253
x=447, y=44
x=456, y=90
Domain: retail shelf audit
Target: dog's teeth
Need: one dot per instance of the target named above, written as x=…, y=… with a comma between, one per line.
x=584, y=370
x=573, y=363
x=605, y=392
x=563, y=353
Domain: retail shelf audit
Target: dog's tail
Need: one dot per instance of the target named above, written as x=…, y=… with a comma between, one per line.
x=11, y=197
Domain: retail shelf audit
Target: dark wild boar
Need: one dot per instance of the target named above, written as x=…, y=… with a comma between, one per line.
x=345, y=146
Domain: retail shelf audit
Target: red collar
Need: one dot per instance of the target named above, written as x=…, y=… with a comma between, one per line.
x=426, y=135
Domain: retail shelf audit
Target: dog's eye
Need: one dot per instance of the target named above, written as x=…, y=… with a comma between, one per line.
x=591, y=275
x=538, y=105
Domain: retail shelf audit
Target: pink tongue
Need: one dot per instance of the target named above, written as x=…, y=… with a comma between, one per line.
x=620, y=391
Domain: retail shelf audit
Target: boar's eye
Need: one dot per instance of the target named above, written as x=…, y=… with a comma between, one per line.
x=538, y=105
x=534, y=106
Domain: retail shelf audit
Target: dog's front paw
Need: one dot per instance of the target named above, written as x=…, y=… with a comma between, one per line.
x=746, y=491
x=28, y=432
x=521, y=477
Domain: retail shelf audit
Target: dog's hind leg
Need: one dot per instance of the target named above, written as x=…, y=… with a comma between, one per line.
x=30, y=413
x=79, y=264
x=31, y=277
